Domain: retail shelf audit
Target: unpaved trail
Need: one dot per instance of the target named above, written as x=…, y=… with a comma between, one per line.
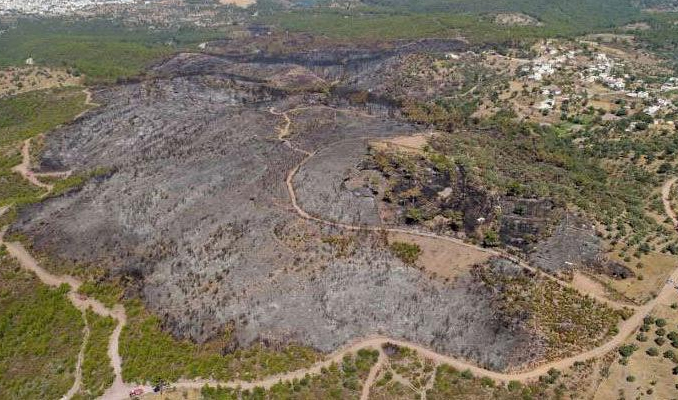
x=282, y=135
x=24, y=169
x=78, y=365
x=666, y=196
x=374, y=371
x=80, y=301
x=88, y=102
x=119, y=390
x=626, y=328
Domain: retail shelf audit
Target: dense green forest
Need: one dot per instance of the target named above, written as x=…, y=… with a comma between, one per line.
x=559, y=18
x=579, y=14
x=662, y=37
x=102, y=50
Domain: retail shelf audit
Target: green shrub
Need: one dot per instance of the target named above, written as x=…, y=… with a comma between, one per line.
x=627, y=350
x=150, y=354
x=97, y=373
x=106, y=293
x=486, y=382
x=414, y=215
x=40, y=336
x=408, y=252
x=467, y=374
x=491, y=239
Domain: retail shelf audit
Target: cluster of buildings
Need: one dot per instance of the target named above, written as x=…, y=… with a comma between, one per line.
x=547, y=65
x=659, y=105
x=602, y=71
x=670, y=85
x=52, y=7
x=148, y=13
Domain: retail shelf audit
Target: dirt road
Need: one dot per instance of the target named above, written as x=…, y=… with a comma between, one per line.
x=81, y=302
x=666, y=196
x=24, y=169
x=283, y=133
x=78, y=365
x=120, y=389
x=372, y=376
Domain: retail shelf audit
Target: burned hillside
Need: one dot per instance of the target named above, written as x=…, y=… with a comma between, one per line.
x=195, y=212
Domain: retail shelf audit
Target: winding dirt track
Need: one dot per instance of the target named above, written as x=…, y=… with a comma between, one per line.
x=374, y=371
x=626, y=328
x=120, y=390
x=24, y=169
x=81, y=302
x=78, y=365
x=666, y=196
x=284, y=132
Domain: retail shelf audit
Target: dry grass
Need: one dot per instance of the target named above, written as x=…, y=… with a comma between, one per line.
x=644, y=368
x=174, y=394
x=17, y=80
x=445, y=259
x=407, y=144
x=587, y=284
x=239, y=3
x=655, y=271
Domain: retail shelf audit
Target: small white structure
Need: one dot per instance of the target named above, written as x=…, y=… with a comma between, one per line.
x=546, y=105
x=652, y=110
x=639, y=95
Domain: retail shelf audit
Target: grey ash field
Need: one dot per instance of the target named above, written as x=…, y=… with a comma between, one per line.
x=195, y=215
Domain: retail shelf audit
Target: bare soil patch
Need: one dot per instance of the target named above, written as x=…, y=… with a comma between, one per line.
x=413, y=144
x=516, y=19
x=647, y=372
x=586, y=284
x=442, y=258
x=239, y=3
x=656, y=268
x=17, y=80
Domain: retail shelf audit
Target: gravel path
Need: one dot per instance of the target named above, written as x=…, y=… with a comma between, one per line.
x=120, y=390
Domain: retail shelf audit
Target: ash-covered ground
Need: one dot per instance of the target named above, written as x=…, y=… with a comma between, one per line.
x=196, y=216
